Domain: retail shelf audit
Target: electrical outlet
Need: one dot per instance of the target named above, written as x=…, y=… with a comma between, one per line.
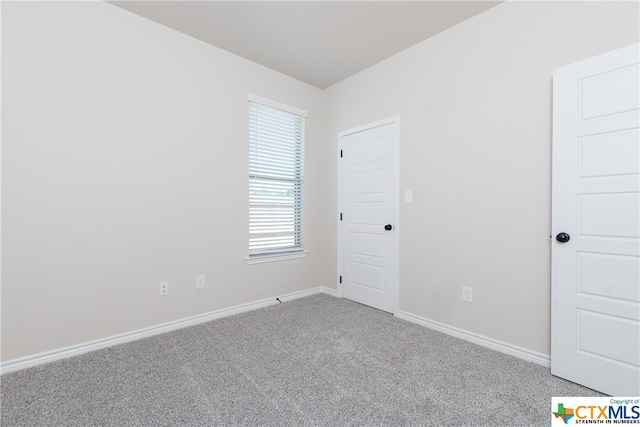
x=164, y=288
x=467, y=294
x=200, y=281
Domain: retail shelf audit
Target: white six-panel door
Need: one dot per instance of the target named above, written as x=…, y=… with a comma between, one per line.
x=367, y=253
x=595, y=337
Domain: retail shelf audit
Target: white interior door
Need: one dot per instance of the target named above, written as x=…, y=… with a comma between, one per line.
x=367, y=254
x=595, y=313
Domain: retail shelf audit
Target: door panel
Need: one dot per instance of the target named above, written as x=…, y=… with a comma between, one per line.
x=368, y=203
x=595, y=310
x=594, y=337
x=610, y=154
x=364, y=213
x=367, y=245
x=596, y=270
x=609, y=215
x=612, y=92
x=367, y=275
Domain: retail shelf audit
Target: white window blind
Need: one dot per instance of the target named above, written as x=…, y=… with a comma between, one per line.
x=276, y=180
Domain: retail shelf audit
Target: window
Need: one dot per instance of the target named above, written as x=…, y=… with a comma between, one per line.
x=276, y=180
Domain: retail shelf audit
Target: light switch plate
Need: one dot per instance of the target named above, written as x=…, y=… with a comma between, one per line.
x=408, y=196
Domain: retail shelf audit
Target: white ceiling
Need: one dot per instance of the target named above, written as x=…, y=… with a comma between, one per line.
x=317, y=42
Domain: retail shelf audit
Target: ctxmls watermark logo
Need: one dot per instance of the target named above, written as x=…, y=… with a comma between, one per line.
x=595, y=410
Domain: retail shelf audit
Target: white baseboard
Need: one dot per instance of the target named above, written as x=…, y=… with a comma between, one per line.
x=63, y=353
x=503, y=347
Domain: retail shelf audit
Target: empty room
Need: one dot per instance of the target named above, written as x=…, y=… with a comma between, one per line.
x=319, y=213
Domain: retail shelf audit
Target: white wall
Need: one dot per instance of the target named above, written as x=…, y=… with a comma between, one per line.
x=124, y=164
x=475, y=108
x=125, y=150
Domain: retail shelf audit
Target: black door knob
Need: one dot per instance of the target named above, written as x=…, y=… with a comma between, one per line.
x=388, y=227
x=563, y=237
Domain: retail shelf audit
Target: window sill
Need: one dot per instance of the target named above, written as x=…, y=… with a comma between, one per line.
x=258, y=259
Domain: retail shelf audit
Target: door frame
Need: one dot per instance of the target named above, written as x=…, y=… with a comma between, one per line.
x=395, y=121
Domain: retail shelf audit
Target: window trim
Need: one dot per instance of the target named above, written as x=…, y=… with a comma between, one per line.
x=277, y=105
x=262, y=258
x=285, y=254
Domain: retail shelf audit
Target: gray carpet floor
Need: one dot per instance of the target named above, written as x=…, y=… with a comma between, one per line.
x=315, y=361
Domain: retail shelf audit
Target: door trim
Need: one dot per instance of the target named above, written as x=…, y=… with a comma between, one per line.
x=395, y=121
